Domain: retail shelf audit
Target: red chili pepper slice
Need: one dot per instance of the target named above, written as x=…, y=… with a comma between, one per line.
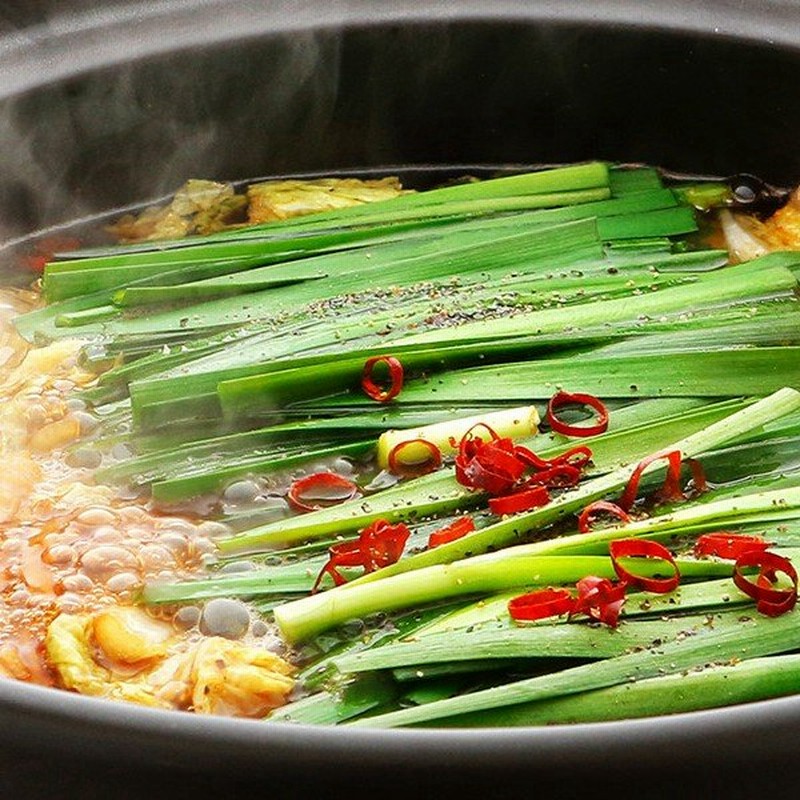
x=769, y=601
x=378, y=545
x=320, y=490
x=560, y=476
x=497, y=466
x=577, y=457
x=45, y=249
x=599, y=507
x=469, y=436
x=372, y=389
x=478, y=475
x=412, y=469
x=531, y=459
x=698, y=475
x=643, y=548
x=725, y=544
x=600, y=599
x=490, y=466
x=456, y=530
x=520, y=501
x=382, y=543
x=344, y=554
x=468, y=447
x=470, y=443
x=499, y=456
x=561, y=399
x=671, y=482
x=541, y=604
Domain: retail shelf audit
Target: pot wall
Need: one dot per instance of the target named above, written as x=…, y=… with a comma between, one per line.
x=450, y=91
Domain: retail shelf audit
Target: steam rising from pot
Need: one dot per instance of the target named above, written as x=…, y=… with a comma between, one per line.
x=128, y=135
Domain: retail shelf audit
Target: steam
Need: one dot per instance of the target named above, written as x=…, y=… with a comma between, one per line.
x=133, y=133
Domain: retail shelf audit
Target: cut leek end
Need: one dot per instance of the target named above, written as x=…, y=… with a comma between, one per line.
x=515, y=423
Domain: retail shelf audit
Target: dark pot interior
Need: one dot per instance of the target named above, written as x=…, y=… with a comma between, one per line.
x=123, y=113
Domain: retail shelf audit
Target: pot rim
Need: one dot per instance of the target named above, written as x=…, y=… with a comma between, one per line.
x=69, y=43
x=697, y=740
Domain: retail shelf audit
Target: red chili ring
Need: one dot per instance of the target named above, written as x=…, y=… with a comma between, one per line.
x=520, y=501
x=559, y=476
x=343, y=554
x=470, y=437
x=671, y=482
x=433, y=462
x=577, y=457
x=567, y=458
x=725, y=544
x=769, y=601
x=456, y=530
x=318, y=480
x=645, y=548
x=560, y=399
x=477, y=475
x=372, y=389
x=600, y=599
x=593, y=586
x=698, y=475
x=528, y=457
x=541, y=604
x=584, y=520
x=382, y=543
x=500, y=461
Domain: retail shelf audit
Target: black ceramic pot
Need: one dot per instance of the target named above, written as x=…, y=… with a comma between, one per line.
x=103, y=104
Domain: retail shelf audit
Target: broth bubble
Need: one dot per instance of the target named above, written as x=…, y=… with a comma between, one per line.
x=223, y=617
x=187, y=617
x=96, y=516
x=123, y=582
x=241, y=492
x=102, y=562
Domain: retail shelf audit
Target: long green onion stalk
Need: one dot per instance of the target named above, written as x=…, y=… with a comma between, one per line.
x=743, y=641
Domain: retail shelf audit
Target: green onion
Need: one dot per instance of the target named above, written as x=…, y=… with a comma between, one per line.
x=242, y=354
x=650, y=429
x=554, y=640
x=760, y=636
x=306, y=617
x=330, y=708
x=705, y=686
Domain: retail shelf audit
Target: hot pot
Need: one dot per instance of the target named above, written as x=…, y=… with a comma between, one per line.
x=108, y=104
